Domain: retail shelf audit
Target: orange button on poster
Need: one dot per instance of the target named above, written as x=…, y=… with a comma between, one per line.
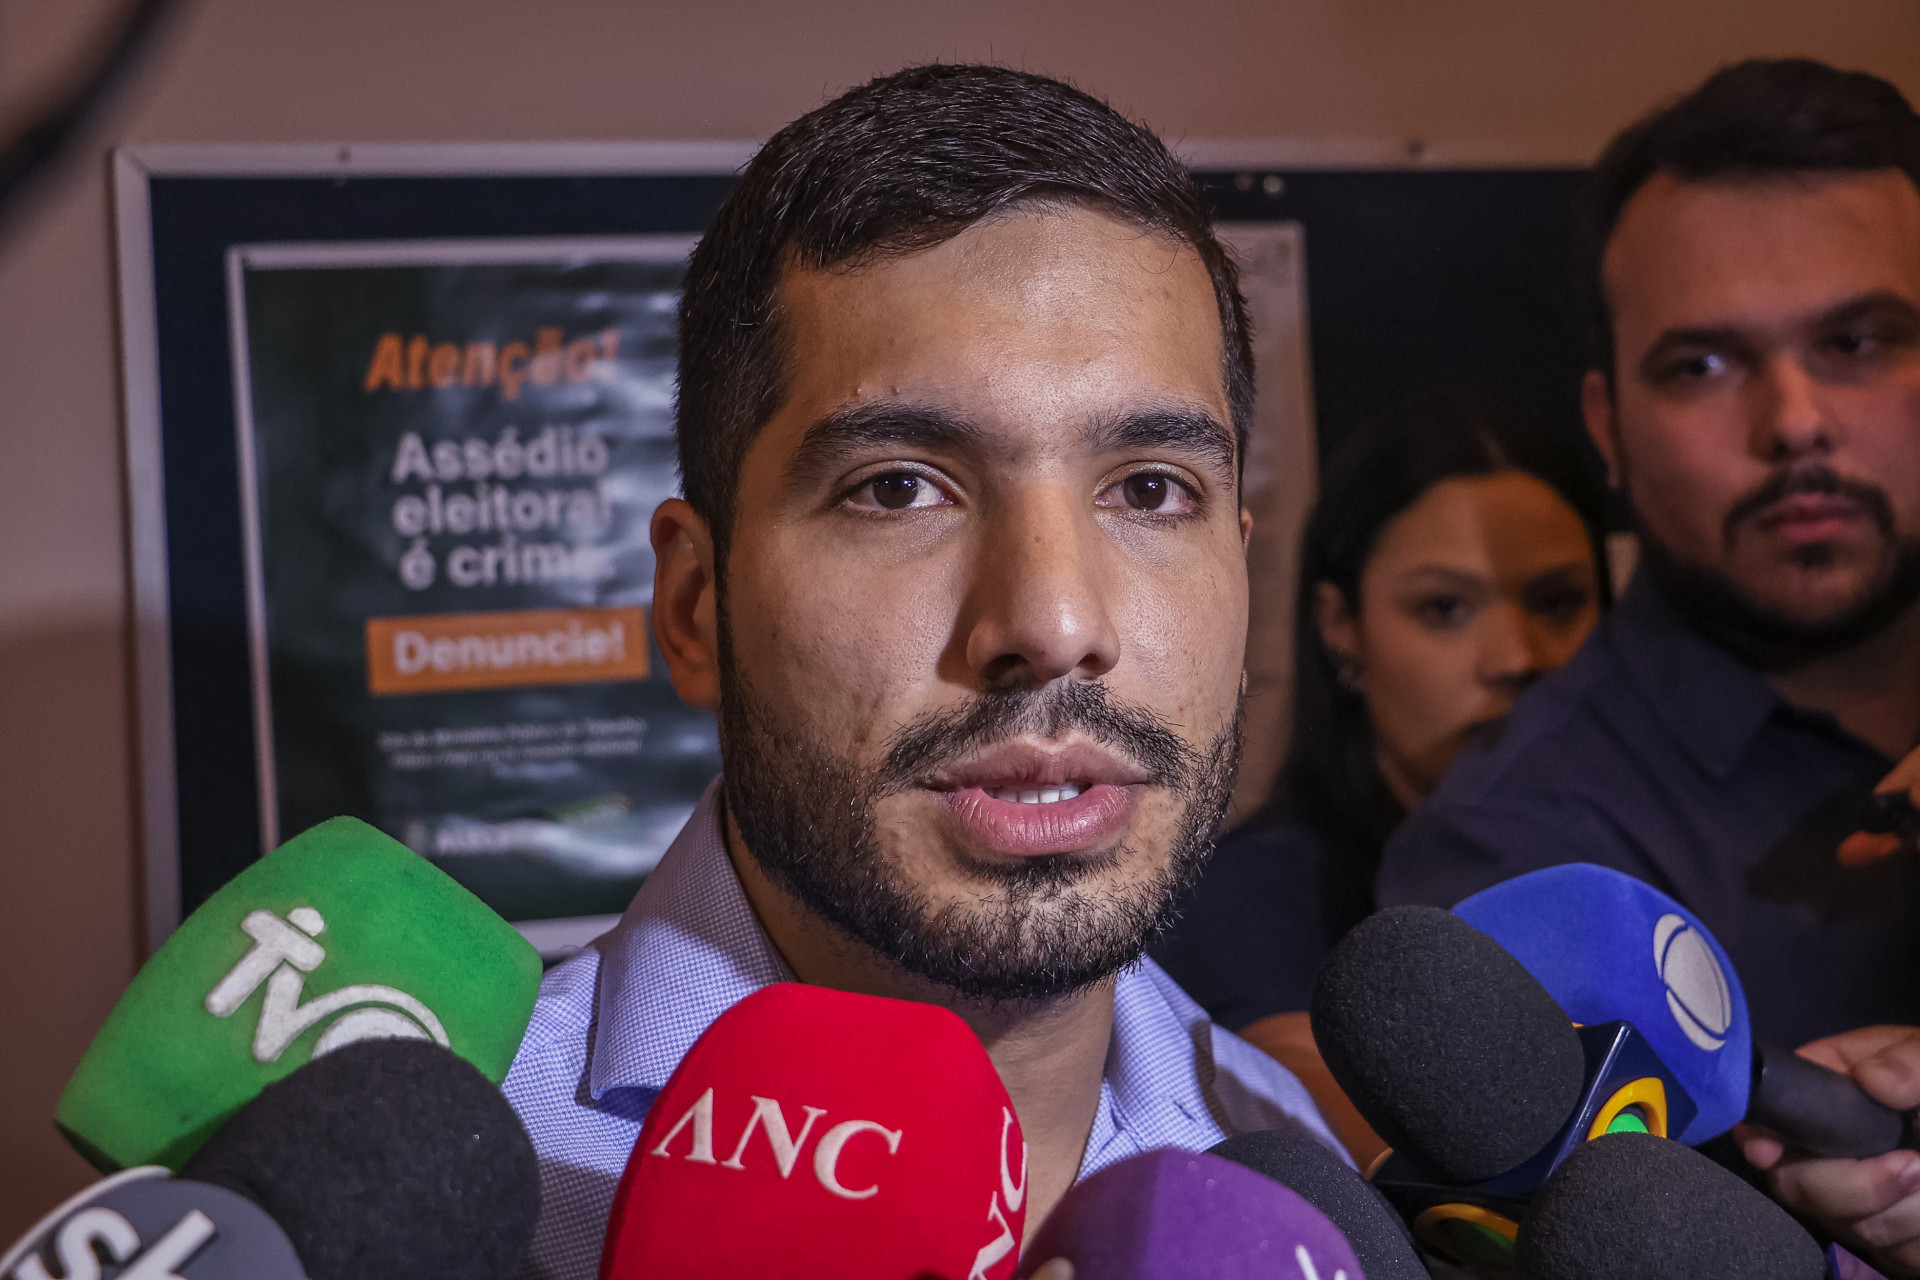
x=439, y=652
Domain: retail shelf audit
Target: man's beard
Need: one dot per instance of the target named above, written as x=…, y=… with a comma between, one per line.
x=1036, y=932
x=1760, y=634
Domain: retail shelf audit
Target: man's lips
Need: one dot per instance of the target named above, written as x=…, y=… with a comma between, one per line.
x=1025, y=765
x=1016, y=829
x=1806, y=518
x=1023, y=800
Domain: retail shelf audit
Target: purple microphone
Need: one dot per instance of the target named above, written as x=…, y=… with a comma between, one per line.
x=1182, y=1214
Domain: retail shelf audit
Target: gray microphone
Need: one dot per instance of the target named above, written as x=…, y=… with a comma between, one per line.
x=148, y=1226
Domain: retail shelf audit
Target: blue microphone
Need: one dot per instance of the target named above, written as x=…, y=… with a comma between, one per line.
x=1610, y=948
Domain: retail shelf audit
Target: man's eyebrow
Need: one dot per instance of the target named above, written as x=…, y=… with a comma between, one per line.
x=1879, y=302
x=880, y=422
x=1180, y=427
x=1731, y=337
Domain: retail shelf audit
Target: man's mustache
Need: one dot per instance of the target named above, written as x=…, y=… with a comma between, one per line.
x=1793, y=482
x=928, y=742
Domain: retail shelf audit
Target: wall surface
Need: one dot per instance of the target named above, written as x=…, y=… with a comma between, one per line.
x=1540, y=79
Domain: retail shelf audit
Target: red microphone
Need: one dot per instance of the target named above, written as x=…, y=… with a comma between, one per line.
x=815, y=1132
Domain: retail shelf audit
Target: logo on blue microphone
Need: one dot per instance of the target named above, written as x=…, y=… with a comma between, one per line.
x=1697, y=993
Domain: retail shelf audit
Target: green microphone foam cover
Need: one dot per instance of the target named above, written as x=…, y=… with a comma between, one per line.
x=341, y=934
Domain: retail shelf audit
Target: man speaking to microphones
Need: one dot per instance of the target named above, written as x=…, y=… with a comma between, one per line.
x=965, y=383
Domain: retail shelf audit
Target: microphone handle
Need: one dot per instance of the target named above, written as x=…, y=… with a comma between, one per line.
x=1821, y=1111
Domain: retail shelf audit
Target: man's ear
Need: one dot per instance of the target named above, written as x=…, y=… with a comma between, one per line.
x=686, y=603
x=1246, y=529
x=1597, y=408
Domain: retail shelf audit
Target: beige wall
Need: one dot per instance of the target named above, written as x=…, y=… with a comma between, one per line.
x=1551, y=77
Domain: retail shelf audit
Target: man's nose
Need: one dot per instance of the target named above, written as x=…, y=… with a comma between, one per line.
x=1789, y=413
x=1038, y=607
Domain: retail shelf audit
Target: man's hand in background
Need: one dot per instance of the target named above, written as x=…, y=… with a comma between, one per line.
x=1864, y=847
x=1872, y=1206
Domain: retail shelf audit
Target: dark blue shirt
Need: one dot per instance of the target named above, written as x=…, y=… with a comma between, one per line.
x=1253, y=931
x=1660, y=754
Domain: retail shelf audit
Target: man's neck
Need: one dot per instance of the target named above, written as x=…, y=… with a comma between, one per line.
x=1872, y=689
x=1051, y=1057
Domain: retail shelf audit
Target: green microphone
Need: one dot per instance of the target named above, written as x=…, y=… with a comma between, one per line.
x=341, y=934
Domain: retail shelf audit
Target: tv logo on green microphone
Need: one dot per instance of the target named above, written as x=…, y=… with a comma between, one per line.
x=284, y=952
x=342, y=934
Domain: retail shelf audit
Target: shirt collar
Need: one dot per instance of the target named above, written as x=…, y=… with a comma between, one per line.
x=1151, y=1060
x=1713, y=703
x=1161, y=1086
x=687, y=949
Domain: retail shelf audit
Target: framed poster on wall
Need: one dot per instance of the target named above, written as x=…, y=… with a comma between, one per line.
x=397, y=417
x=397, y=421
x=449, y=454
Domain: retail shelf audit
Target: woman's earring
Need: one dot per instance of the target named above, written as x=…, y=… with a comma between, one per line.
x=1347, y=672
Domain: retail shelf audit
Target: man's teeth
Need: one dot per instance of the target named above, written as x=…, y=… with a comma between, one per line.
x=1036, y=795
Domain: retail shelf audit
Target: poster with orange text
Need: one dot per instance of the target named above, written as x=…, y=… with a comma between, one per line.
x=450, y=452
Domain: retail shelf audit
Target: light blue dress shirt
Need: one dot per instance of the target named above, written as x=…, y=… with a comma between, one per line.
x=614, y=1021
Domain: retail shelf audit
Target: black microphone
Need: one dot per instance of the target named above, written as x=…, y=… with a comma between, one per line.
x=1445, y=1043
x=1305, y=1167
x=385, y=1159
x=1821, y=1111
x=1629, y=1206
x=1460, y=1059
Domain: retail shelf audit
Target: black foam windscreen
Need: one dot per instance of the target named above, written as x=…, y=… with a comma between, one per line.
x=1629, y=1205
x=385, y=1159
x=1299, y=1163
x=1447, y=1045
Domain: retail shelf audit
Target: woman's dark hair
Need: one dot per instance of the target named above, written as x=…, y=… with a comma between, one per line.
x=1331, y=782
x=900, y=164
x=1756, y=119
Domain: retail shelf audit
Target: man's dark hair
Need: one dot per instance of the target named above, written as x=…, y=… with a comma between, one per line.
x=904, y=163
x=1756, y=119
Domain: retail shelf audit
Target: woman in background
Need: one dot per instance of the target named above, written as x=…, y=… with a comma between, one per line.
x=1455, y=556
